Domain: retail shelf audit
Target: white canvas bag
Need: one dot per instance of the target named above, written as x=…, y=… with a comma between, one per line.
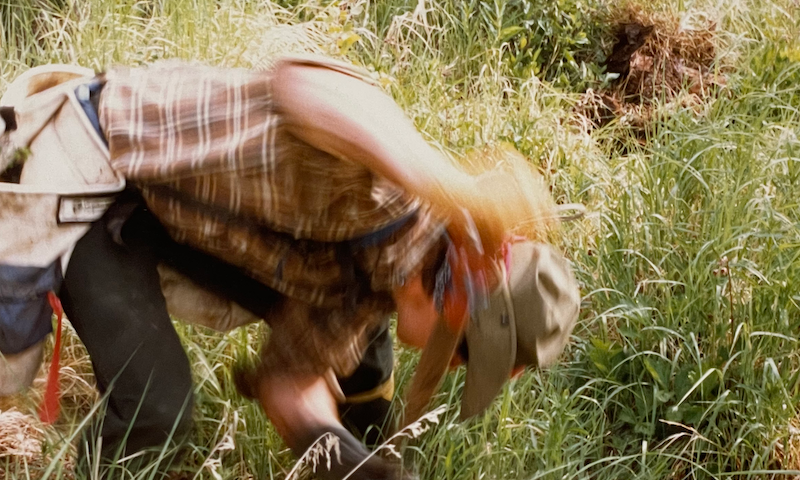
x=66, y=182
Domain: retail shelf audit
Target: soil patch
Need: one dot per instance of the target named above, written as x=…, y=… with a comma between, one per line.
x=658, y=60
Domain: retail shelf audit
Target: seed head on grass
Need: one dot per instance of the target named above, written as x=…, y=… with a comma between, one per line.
x=321, y=452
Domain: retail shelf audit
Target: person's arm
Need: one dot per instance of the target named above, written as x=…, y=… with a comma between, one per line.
x=351, y=119
x=302, y=409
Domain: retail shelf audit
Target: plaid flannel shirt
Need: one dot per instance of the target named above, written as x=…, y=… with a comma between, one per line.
x=208, y=150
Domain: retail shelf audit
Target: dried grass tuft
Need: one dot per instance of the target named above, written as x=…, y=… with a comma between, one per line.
x=786, y=454
x=20, y=436
x=663, y=62
x=24, y=443
x=678, y=55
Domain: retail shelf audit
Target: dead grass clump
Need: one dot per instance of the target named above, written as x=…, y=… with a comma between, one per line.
x=659, y=60
x=786, y=453
x=24, y=440
x=19, y=436
x=676, y=54
x=22, y=447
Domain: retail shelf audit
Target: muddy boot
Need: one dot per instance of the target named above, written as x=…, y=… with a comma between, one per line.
x=352, y=457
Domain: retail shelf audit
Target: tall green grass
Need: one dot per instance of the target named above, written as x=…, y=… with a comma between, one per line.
x=686, y=361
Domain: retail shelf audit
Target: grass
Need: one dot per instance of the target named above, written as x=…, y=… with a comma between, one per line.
x=685, y=363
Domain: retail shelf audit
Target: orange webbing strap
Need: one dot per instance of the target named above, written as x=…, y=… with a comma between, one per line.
x=470, y=284
x=436, y=357
x=49, y=409
x=432, y=366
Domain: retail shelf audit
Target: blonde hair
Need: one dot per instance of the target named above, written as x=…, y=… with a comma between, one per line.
x=516, y=178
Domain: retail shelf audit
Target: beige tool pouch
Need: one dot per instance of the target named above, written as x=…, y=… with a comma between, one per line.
x=66, y=182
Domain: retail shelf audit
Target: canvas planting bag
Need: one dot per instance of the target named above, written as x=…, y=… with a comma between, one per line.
x=65, y=182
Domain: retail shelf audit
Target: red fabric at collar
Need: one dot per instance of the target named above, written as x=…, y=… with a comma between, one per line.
x=471, y=270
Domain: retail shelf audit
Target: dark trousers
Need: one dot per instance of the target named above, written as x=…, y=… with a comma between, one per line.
x=113, y=298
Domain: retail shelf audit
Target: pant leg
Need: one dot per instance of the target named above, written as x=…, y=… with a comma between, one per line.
x=220, y=278
x=112, y=296
x=376, y=365
x=369, y=390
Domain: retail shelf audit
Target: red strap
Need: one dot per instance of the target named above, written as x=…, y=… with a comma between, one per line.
x=470, y=269
x=49, y=409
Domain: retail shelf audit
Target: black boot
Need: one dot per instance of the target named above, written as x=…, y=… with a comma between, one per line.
x=372, y=421
x=353, y=457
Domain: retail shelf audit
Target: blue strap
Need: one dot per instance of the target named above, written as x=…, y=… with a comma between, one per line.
x=84, y=94
x=378, y=236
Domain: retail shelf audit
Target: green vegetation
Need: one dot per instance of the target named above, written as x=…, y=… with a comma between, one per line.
x=686, y=362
